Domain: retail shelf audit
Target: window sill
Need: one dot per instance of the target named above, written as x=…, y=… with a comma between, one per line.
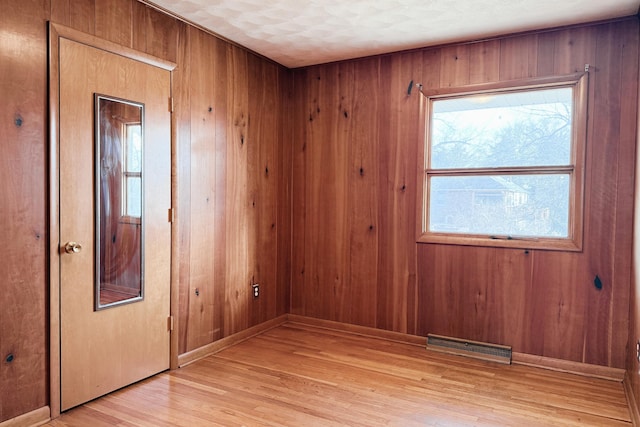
x=567, y=245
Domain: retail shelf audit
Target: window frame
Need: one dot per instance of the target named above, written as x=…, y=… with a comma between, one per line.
x=576, y=168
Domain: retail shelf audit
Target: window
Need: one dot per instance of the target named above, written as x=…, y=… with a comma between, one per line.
x=132, y=171
x=504, y=167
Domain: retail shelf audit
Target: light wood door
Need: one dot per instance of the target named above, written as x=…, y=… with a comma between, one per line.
x=103, y=350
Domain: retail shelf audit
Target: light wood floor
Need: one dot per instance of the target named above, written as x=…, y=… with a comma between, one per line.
x=299, y=375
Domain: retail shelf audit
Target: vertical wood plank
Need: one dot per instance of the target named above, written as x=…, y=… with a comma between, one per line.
x=432, y=59
x=263, y=174
x=343, y=295
x=359, y=114
x=484, y=60
x=240, y=202
x=455, y=66
x=438, y=283
x=155, y=32
x=562, y=286
x=204, y=104
x=286, y=143
x=602, y=190
x=547, y=52
x=182, y=106
x=114, y=21
x=399, y=122
x=316, y=127
x=573, y=49
x=82, y=15
x=60, y=12
x=299, y=103
x=326, y=181
x=622, y=266
x=518, y=59
x=632, y=378
x=218, y=78
x=23, y=211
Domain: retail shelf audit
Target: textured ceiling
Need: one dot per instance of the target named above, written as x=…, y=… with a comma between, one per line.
x=296, y=33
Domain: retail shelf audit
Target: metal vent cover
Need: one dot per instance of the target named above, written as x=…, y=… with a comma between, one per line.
x=478, y=350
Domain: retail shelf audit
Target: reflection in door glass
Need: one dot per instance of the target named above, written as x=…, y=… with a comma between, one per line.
x=119, y=201
x=132, y=170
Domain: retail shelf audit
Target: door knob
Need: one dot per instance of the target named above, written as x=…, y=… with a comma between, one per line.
x=72, y=247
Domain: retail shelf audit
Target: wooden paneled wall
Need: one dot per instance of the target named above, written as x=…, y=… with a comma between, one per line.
x=231, y=215
x=355, y=260
x=232, y=171
x=23, y=197
x=633, y=348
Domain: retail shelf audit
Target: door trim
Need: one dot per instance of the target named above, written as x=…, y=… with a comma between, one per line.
x=57, y=32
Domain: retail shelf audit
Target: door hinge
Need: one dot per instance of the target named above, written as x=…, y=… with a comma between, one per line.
x=171, y=104
x=170, y=215
x=170, y=323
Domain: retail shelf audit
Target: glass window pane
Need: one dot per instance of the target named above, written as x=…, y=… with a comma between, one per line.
x=501, y=205
x=134, y=148
x=134, y=196
x=499, y=130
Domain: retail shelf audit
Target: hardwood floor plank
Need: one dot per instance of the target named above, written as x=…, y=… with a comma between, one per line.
x=302, y=375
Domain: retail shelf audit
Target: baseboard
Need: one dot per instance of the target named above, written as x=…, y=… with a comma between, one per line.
x=359, y=330
x=631, y=401
x=30, y=419
x=578, y=368
x=216, y=346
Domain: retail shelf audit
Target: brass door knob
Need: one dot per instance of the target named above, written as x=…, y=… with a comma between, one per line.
x=72, y=247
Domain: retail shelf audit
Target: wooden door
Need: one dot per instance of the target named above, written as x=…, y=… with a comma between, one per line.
x=103, y=349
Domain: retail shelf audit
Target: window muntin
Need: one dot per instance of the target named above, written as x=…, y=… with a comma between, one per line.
x=504, y=167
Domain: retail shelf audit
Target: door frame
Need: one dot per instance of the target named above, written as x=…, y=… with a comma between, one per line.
x=57, y=32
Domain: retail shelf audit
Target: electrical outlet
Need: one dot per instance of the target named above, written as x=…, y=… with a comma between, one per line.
x=256, y=290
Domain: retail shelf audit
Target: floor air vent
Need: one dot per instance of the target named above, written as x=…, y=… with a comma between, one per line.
x=478, y=350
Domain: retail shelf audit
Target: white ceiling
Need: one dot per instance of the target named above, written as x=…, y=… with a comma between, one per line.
x=296, y=33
